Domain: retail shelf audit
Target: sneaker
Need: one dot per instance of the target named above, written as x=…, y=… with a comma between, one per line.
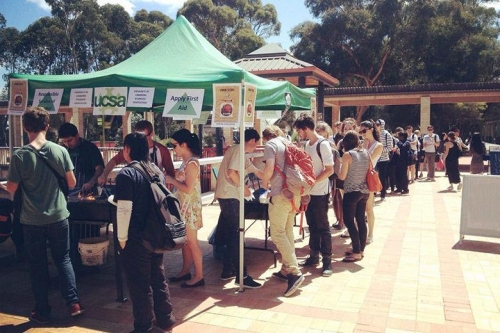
x=310, y=261
x=405, y=192
x=421, y=175
x=248, y=282
x=369, y=240
x=327, y=270
x=38, y=318
x=294, y=282
x=227, y=275
x=280, y=276
x=345, y=234
x=459, y=186
x=75, y=310
x=450, y=188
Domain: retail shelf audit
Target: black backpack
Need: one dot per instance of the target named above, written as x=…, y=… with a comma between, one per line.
x=337, y=160
x=164, y=229
x=6, y=206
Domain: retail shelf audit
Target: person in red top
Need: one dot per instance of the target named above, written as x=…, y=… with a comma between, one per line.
x=158, y=153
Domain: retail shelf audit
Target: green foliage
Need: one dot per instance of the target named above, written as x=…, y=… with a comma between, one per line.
x=387, y=42
x=234, y=27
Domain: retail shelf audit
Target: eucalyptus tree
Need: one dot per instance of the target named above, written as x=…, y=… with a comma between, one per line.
x=376, y=42
x=234, y=27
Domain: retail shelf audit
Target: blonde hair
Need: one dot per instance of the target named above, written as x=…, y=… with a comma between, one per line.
x=321, y=126
x=271, y=132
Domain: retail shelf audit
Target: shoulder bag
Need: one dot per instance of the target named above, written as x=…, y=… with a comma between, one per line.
x=372, y=179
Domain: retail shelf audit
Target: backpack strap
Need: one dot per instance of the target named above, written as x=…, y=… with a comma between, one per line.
x=318, y=149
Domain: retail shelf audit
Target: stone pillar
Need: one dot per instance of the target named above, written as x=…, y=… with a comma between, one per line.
x=320, y=101
x=335, y=114
x=425, y=112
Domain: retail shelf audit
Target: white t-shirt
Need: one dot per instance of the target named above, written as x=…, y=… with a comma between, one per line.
x=430, y=140
x=321, y=187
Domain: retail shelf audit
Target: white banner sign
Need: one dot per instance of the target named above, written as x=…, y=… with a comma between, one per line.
x=80, y=98
x=269, y=114
x=140, y=97
x=49, y=99
x=183, y=104
x=110, y=101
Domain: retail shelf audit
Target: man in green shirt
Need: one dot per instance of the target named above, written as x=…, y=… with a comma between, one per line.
x=44, y=214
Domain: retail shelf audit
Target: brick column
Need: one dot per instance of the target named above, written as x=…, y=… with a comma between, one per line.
x=335, y=114
x=425, y=112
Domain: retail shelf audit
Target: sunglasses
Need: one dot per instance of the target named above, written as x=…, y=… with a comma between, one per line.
x=363, y=131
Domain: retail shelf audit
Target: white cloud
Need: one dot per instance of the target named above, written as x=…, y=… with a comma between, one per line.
x=131, y=5
x=42, y=4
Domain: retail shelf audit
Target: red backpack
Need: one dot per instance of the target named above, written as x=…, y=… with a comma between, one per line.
x=298, y=174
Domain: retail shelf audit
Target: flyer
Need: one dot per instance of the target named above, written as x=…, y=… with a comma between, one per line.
x=18, y=99
x=227, y=104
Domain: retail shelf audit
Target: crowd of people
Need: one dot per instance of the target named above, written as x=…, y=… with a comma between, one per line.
x=340, y=157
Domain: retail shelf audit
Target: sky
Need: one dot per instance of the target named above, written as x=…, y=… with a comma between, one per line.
x=21, y=13
x=290, y=12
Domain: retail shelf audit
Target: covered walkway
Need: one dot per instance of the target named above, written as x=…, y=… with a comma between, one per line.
x=415, y=277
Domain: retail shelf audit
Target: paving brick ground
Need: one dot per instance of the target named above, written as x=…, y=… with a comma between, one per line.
x=415, y=277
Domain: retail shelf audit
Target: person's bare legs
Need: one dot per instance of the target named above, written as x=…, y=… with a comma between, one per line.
x=193, y=255
x=370, y=216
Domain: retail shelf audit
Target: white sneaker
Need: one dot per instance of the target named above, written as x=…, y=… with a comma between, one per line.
x=369, y=240
x=450, y=188
x=459, y=186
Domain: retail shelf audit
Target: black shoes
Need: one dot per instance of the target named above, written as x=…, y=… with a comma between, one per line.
x=227, y=275
x=280, y=276
x=194, y=285
x=310, y=261
x=327, y=269
x=294, y=282
x=180, y=278
x=248, y=282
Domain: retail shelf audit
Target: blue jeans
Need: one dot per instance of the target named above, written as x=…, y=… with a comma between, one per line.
x=354, y=205
x=320, y=236
x=229, y=222
x=147, y=286
x=35, y=241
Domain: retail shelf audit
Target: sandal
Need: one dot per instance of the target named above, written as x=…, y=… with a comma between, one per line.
x=351, y=259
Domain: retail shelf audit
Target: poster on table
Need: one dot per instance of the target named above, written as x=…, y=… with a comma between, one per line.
x=140, y=97
x=49, y=99
x=110, y=101
x=227, y=101
x=18, y=99
x=183, y=104
x=249, y=104
x=80, y=98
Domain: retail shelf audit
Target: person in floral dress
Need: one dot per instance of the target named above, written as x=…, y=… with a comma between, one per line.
x=188, y=191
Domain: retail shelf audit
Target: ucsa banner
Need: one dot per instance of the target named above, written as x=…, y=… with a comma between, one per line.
x=110, y=101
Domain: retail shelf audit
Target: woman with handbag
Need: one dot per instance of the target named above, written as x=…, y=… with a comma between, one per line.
x=372, y=144
x=355, y=164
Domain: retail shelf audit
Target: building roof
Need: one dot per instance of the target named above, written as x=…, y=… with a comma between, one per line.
x=274, y=62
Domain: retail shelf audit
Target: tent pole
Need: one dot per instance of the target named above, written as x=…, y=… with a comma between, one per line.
x=241, y=194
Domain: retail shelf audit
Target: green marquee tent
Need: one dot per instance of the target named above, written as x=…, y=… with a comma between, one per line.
x=179, y=58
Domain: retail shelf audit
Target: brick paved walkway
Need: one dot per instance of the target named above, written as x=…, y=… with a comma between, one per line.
x=415, y=277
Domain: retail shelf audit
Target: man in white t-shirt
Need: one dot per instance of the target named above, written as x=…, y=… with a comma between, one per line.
x=431, y=142
x=320, y=236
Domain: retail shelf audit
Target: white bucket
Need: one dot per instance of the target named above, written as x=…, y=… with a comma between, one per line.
x=93, y=250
